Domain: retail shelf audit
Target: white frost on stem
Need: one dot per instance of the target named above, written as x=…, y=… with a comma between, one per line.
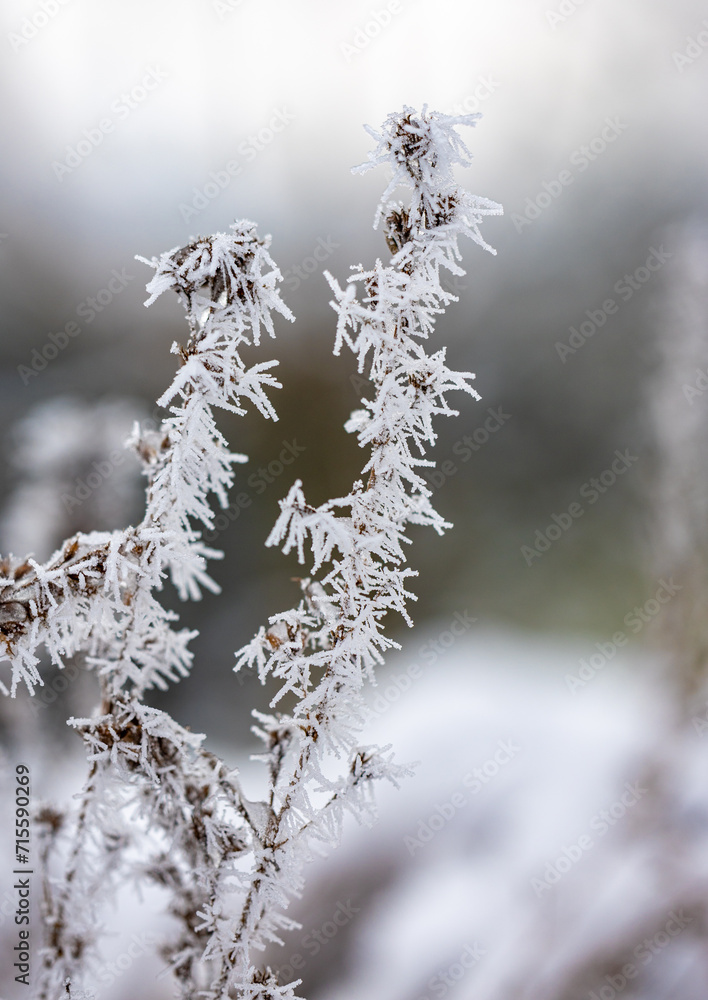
x=230, y=864
x=97, y=597
x=325, y=649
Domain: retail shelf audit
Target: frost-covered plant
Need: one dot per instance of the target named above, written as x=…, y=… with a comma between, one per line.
x=231, y=864
x=325, y=649
x=97, y=596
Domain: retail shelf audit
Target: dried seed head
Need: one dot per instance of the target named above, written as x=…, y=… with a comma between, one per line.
x=12, y=612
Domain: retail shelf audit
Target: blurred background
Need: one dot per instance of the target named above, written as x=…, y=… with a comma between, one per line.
x=131, y=127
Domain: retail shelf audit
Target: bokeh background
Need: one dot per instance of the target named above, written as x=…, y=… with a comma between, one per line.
x=179, y=98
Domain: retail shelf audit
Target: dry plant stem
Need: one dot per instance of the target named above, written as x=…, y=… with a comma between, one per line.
x=62, y=944
x=232, y=865
x=227, y=284
x=325, y=649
